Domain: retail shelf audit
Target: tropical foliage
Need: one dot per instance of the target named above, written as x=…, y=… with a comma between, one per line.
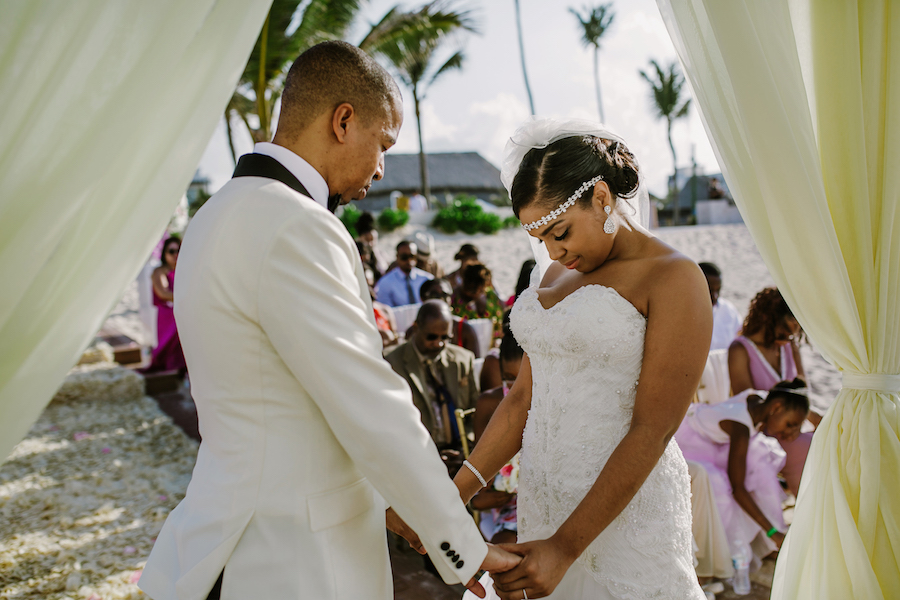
x=291, y=27
x=416, y=55
x=595, y=22
x=466, y=215
x=667, y=94
x=391, y=219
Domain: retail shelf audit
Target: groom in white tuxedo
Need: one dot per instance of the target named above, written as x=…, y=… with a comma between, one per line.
x=308, y=435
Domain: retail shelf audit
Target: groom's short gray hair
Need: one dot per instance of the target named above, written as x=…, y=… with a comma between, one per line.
x=330, y=74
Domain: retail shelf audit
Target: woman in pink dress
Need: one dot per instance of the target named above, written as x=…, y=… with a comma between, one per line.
x=167, y=356
x=766, y=352
x=734, y=443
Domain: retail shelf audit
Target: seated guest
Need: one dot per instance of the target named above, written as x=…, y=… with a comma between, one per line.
x=467, y=255
x=524, y=280
x=491, y=376
x=500, y=495
x=732, y=441
x=440, y=375
x=424, y=259
x=384, y=316
x=401, y=285
x=167, y=355
x=463, y=334
x=768, y=351
x=726, y=318
x=368, y=235
x=475, y=299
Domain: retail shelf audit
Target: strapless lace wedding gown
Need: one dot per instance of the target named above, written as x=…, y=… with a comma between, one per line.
x=586, y=354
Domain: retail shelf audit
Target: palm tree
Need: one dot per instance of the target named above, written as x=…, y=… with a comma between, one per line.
x=522, y=55
x=291, y=27
x=595, y=23
x=412, y=54
x=666, y=88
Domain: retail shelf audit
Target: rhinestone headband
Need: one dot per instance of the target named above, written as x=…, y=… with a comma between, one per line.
x=554, y=214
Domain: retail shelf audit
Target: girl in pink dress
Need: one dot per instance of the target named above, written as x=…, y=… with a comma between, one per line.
x=732, y=441
x=766, y=352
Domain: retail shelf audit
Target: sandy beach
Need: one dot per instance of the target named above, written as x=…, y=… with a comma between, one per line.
x=83, y=496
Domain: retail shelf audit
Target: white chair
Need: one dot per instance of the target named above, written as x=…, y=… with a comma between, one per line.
x=484, y=330
x=715, y=383
x=476, y=368
x=405, y=316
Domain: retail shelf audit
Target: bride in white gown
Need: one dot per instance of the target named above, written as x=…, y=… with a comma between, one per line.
x=616, y=332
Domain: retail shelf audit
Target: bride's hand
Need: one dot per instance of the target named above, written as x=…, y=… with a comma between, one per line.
x=543, y=565
x=399, y=526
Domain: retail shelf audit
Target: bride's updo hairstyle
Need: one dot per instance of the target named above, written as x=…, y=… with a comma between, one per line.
x=549, y=175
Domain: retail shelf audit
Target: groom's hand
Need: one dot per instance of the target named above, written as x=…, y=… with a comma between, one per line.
x=497, y=560
x=399, y=526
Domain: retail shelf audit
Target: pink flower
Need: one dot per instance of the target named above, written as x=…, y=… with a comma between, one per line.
x=54, y=428
x=106, y=451
x=135, y=576
x=129, y=550
x=81, y=435
x=162, y=498
x=506, y=471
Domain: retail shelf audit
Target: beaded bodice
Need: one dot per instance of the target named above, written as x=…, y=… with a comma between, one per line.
x=586, y=354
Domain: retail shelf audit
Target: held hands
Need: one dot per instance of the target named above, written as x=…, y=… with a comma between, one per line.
x=497, y=561
x=399, y=526
x=543, y=565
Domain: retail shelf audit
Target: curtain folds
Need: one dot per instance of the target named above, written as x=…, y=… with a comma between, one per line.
x=801, y=100
x=107, y=108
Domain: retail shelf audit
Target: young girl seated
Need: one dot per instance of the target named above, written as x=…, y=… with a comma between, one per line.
x=734, y=442
x=499, y=525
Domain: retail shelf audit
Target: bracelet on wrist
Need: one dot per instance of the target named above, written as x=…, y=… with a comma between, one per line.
x=771, y=532
x=475, y=472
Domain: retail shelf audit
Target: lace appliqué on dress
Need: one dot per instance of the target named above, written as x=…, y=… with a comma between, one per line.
x=586, y=354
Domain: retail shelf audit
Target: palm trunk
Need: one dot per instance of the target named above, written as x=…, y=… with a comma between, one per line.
x=261, y=109
x=230, y=135
x=597, y=82
x=423, y=166
x=673, y=189
x=522, y=55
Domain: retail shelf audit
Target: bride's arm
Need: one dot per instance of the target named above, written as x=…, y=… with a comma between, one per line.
x=502, y=438
x=676, y=344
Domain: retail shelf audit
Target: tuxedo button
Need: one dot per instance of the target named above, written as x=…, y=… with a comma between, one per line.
x=450, y=553
x=445, y=546
x=460, y=564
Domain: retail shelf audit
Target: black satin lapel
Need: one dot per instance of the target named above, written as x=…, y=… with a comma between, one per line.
x=260, y=165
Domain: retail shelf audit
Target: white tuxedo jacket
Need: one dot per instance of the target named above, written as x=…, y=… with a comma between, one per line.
x=306, y=429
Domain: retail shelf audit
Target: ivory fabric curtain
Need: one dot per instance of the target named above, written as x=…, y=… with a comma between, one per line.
x=107, y=108
x=801, y=99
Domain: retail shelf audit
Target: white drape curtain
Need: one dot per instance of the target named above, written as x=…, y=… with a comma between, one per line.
x=801, y=100
x=107, y=106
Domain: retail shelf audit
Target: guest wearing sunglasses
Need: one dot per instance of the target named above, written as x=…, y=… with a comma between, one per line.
x=167, y=356
x=440, y=375
x=766, y=352
x=401, y=285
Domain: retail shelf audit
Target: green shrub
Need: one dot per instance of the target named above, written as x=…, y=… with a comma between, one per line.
x=466, y=215
x=510, y=222
x=349, y=217
x=391, y=219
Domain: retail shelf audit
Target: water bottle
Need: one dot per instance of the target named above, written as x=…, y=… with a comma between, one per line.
x=741, y=561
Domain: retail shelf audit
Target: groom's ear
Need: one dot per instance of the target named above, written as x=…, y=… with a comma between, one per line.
x=341, y=120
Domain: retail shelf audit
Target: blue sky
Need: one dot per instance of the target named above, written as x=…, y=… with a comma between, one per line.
x=479, y=107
